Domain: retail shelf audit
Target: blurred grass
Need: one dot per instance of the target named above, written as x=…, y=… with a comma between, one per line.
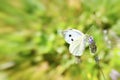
x=31, y=47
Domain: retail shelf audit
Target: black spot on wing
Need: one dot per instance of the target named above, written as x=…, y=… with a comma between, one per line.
x=70, y=35
x=72, y=40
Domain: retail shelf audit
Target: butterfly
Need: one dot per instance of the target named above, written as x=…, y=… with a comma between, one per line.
x=76, y=40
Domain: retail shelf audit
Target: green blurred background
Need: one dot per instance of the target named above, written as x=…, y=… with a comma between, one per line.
x=32, y=48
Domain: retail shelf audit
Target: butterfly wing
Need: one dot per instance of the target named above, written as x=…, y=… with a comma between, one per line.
x=77, y=47
x=71, y=35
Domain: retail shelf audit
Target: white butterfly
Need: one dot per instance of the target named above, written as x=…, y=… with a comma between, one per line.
x=77, y=41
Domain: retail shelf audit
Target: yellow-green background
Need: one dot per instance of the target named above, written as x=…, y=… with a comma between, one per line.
x=32, y=48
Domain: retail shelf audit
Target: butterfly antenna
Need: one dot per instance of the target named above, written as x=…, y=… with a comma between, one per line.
x=101, y=70
x=89, y=29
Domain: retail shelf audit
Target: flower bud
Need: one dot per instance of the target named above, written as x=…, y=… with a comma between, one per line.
x=92, y=45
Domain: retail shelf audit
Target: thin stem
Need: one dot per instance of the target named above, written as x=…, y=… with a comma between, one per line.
x=97, y=61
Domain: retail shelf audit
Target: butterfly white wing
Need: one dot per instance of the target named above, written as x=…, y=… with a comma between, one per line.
x=77, y=47
x=71, y=35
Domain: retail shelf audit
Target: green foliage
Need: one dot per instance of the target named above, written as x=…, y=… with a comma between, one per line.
x=32, y=48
